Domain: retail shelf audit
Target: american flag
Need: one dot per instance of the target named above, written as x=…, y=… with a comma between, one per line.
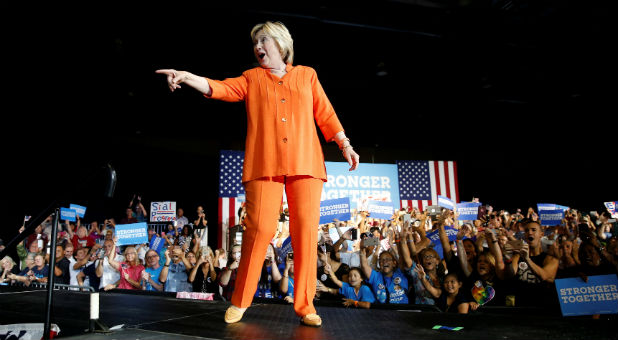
x=420, y=182
x=230, y=187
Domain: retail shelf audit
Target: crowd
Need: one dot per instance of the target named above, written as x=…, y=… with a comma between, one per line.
x=500, y=259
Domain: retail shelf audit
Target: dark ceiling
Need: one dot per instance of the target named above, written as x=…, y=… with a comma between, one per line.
x=518, y=92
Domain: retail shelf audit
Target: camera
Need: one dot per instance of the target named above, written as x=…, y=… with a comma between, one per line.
x=290, y=255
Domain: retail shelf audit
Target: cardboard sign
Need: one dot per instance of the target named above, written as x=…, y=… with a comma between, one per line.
x=130, y=234
x=611, y=208
x=380, y=209
x=81, y=211
x=597, y=296
x=551, y=217
x=468, y=211
x=378, y=181
x=156, y=243
x=67, y=214
x=434, y=237
x=445, y=202
x=162, y=211
x=335, y=209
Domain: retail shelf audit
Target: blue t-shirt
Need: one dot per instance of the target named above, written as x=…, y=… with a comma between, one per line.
x=267, y=288
x=290, y=287
x=154, y=275
x=40, y=273
x=397, y=286
x=364, y=293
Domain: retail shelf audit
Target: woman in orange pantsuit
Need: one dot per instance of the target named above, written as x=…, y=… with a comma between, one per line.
x=282, y=152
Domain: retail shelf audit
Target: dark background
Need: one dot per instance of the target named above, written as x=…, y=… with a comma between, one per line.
x=519, y=93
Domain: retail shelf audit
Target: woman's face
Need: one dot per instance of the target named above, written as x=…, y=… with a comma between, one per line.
x=470, y=250
x=354, y=278
x=191, y=257
x=266, y=51
x=451, y=285
x=566, y=247
x=387, y=263
x=483, y=266
x=429, y=261
x=29, y=261
x=131, y=255
x=502, y=240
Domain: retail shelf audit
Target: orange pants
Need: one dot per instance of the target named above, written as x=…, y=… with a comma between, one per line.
x=263, y=203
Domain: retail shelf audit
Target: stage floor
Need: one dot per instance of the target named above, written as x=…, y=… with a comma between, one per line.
x=165, y=317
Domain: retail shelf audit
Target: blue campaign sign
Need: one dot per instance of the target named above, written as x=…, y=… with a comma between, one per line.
x=286, y=247
x=468, y=211
x=374, y=181
x=67, y=214
x=434, y=237
x=551, y=217
x=134, y=233
x=597, y=296
x=81, y=211
x=156, y=243
x=380, y=209
x=445, y=202
x=338, y=208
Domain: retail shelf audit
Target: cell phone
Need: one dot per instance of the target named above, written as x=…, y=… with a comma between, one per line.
x=371, y=241
x=516, y=244
x=290, y=255
x=407, y=218
x=355, y=234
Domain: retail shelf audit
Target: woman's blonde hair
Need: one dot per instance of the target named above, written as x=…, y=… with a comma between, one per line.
x=204, y=249
x=281, y=35
x=126, y=250
x=8, y=259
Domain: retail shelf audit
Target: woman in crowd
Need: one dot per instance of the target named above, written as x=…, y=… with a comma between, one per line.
x=389, y=284
x=203, y=276
x=7, y=267
x=130, y=269
x=355, y=293
x=489, y=271
x=286, y=285
x=453, y=262
x=340, y=270
x=184, y=240
x=427, y=276
x=268, y=285
x=192, y=258
x=452, y=299
x=227, y=276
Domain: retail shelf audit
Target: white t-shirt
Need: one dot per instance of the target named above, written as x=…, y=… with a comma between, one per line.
x=110, y=275
x=73, y=272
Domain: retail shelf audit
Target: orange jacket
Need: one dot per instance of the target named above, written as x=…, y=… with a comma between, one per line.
x=281, y=136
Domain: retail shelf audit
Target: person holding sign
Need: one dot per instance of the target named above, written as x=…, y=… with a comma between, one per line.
x=130, y=269
x=282, y=150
